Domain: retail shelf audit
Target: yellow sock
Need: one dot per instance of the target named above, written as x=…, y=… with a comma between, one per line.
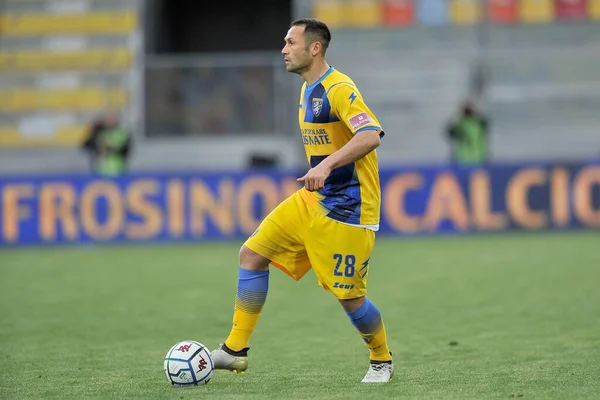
x=367, y=319
x=251, y=296
x=377, y=344
x=243, y=326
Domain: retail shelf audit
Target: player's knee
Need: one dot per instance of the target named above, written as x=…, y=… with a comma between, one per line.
x=352, y=304
x=252, y=261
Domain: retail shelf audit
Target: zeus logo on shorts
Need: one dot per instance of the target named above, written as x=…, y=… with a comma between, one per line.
x=337, y=285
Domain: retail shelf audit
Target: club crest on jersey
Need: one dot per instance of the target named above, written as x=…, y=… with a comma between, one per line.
x=317, y=106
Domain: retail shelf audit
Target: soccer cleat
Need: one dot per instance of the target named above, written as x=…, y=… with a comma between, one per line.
x=379, y=372
x=225, y=358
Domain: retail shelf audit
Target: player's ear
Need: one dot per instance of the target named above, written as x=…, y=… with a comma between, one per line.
x=316, y=47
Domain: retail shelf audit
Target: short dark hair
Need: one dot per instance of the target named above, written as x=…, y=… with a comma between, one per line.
x=315, y=31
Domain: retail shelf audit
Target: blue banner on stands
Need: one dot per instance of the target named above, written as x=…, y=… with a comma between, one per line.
x=202, y=206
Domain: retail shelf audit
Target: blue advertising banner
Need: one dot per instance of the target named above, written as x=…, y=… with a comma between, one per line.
x=206, y=206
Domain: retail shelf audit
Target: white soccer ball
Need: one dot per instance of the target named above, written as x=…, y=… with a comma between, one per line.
x=188, y=363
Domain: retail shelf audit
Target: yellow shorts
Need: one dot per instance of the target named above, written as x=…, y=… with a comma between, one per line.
x=296, y=238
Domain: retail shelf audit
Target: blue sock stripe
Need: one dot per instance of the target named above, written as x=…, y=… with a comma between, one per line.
x=243, y=292
x=252, y=304
x=251, y=295
x=366, y=318
x=249, y=308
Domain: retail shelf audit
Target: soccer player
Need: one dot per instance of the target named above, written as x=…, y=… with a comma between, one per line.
x=329, y=225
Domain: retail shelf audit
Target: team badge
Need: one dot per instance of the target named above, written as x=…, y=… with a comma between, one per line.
x=317, y=106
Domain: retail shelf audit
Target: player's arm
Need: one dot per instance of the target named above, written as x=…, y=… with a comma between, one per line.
x=359, y=146
x=350, y=108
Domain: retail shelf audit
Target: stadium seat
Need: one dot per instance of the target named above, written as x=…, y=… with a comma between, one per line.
x=10, y=136
x=349, y=13
x=330, y=11
x=363, y=13
x=536, y=11
x=465, y=12
x=92, y=23
x=398, y=12
x=502, y=11
x=22, y=100
x=594, y=9
x=112, y=59
x=432, y=12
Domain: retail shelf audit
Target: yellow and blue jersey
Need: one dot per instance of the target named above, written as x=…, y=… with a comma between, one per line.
x=331, y=112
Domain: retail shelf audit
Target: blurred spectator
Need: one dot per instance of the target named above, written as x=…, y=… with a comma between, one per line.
x=468, y=136
x=109, y=146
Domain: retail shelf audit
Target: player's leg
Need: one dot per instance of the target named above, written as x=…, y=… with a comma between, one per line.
x=340, y=255
x=277, y=241
x=366, y=318
x=253, y=285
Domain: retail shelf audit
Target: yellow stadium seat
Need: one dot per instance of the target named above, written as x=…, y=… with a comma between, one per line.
x=465, y=12
x=363, y=13
x=21, y=100
x=329, y=11
x=594, y=9
x=65, y=136
x=92, y=23
x=105, y=59
x=349, y=13
x=536, y=11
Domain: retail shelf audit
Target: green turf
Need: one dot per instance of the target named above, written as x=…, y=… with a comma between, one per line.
x=96, y=322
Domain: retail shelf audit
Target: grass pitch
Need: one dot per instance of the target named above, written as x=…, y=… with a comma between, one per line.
x=472, y=317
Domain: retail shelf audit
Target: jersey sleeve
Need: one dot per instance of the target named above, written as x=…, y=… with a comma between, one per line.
x=349, y=106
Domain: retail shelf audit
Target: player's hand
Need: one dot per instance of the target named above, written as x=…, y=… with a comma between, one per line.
x=314, y=180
